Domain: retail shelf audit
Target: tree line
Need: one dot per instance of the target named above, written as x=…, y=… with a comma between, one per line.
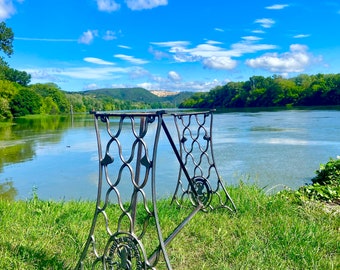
x=47, y=98
x=259, y=91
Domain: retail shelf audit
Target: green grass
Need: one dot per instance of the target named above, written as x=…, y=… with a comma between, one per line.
x=267, y=232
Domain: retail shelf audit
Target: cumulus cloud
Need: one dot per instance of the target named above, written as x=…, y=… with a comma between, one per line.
x=296, y=60
x=277, y=6
x=88, y=36
x=97, y=61
x=265, y=22
x=174, y=76
x=107, y=5
x=145, y=4
x=131, y=59
x=219, y=63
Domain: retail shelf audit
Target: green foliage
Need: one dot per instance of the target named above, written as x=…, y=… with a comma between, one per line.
x=325, y=185
x=329, y=173
x=258, y=91
x=26, y=101
x=6, y=39
x=55, y=93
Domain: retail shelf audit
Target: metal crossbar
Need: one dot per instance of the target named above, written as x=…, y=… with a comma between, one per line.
x=124, y=218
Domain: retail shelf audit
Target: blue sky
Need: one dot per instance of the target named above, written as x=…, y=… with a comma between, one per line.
x=175, y=45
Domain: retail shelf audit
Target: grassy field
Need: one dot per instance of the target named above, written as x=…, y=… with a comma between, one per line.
x=267, y=232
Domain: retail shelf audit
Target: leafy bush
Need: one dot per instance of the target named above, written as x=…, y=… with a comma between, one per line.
x=326, y=183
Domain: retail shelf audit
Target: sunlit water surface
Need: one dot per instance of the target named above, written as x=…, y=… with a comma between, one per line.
x=58, y=158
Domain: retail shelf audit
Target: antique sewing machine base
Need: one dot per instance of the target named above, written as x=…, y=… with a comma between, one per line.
x=121, y=227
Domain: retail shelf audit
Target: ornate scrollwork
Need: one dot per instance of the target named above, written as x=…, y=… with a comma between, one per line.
x=202, y=191
x=124, y=253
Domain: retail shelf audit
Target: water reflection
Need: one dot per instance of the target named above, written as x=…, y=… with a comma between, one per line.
x=7, y=191
x=58, y=155
x=18, y=142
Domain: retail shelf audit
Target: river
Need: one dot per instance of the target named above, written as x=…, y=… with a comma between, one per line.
x=56, y=157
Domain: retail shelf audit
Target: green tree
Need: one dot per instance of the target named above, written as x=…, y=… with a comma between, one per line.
x=5, y=109
x=13, y=75
x=49, y=106
x=20, y=77
x=53, y=91
x=76, y=101
x=287, y=92
x=6, y=39
x=7, y=91
x=26, y=101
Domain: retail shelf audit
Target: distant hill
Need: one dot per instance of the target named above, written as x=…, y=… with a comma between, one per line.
x=138, y=94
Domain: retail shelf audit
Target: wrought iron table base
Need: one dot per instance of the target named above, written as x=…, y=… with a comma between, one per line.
x=199, y=186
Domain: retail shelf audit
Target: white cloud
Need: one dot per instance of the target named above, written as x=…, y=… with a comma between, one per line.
x=7, y=9
x=265, y=22
x=241, y=48
x=211, y=55
x=97, y=61
x=174, y=76
x=219, y=63
x=100, y=73
x=147, y=86
x=172, y=44
x=88, y=36
x=107, y=5
x=91, y=86
x=45, y=75
x=213, y=42
x=296, y=60
x=109, y=35
x=258, y=32
x=138, y=72
x=158, y=54
x=301, y=36
x=219, y=29
x=145, y=4
x=124, y=47
x=83, y=73
x=277, y=7
x=251, y=38
x=192, y=86
x=131, y=59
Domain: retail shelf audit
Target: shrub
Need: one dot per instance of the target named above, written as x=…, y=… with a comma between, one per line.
x=326, y=183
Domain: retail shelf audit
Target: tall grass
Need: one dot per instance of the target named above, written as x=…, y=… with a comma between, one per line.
x=267, y=232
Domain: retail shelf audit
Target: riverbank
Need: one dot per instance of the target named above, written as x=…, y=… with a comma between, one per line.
x=268, y=231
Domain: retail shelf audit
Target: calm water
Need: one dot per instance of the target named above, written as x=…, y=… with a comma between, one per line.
x=57, y=156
